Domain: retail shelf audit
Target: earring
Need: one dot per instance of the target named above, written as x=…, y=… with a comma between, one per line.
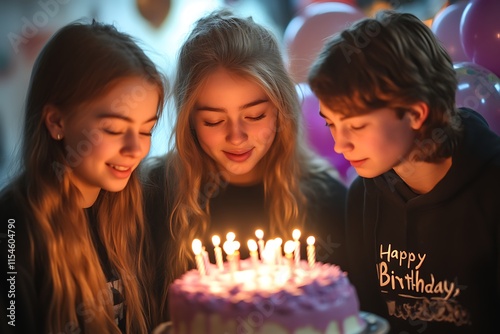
x=59, y=137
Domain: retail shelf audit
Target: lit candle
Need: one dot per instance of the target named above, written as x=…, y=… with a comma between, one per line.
x=228, y=247
x=218, y=252
x=296, y=236
x=260, y=234
x=254, y=256
x=311, y=251
x=198, y=257
x=269, y=255
x=206, y=260
x=289, y=249
x=279, y=256
x=236, y=255
x=252, y=247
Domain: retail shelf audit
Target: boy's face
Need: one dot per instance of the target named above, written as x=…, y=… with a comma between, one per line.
x=373, y=143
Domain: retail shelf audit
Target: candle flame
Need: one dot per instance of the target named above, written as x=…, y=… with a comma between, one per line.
x=259, y=234
x=252, y=245
x=236, y=245
x=311, y=240
x=230, y=236
x=278, y=242
x=216, y=240
x=296, y=234
x=196, y=246
x=289, y=247
x=270, y=244
x=228, y=247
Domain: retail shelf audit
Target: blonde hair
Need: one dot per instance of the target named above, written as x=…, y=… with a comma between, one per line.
x=245, y=48
x=82, y=62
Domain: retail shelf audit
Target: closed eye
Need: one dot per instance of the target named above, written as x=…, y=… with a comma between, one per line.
x=257, y=118
x=211, y=124
x=111, y=132
x=358, y=127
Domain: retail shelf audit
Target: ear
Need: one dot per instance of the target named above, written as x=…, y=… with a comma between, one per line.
x=53, y=119
x=418, y=114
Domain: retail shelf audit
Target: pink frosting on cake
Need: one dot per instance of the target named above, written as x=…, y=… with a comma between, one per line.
x=254, y=296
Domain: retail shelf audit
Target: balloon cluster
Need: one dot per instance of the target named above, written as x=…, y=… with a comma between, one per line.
x=470, y=32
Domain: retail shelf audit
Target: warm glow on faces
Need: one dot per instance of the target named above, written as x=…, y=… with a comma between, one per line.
x=235, y=125
x=106, y=139
x=374, y=143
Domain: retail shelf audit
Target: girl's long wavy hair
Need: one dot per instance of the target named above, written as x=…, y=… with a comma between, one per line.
x=80, y=63
x=243, y=47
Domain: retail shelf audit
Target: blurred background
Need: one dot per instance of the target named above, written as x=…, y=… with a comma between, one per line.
x=469, y=29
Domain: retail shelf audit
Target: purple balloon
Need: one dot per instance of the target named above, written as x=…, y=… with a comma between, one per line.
x=480, y=33
x=446, y=27
x=305, y=34
x=479, y=89
x=317, y=134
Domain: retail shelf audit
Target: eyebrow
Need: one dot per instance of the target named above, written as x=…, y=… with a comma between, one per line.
x=245, y=106
x=124, y=118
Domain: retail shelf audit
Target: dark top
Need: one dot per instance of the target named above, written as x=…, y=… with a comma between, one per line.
x=242, y=210
x=430, y=263
x=22, y=292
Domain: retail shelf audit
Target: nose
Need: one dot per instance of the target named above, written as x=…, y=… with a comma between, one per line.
x=132, y=145
x=342, y=142
x=236, y=133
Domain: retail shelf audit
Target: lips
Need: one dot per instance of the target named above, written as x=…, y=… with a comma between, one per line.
x=120, y=171
x=238, y=156
x=120, y=168
x=357, y=163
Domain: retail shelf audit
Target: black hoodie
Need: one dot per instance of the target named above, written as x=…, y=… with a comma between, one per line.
x=430, y=263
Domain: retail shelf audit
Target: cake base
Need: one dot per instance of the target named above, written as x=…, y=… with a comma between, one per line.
x=375, y=325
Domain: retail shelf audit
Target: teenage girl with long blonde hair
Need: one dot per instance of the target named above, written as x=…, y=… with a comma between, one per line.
x=239, y=161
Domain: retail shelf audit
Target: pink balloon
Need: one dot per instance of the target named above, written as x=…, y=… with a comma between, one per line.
x=479, y=89
x=301, y=4
x=446, y=27
x=305, y=34
x=480, y=33
x=317, y=134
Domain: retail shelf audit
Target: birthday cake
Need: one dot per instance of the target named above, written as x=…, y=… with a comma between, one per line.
x=265, y=298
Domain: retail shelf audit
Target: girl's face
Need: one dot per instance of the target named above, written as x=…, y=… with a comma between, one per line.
x=373, y=143
x=106, y=139
x=235, y=124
